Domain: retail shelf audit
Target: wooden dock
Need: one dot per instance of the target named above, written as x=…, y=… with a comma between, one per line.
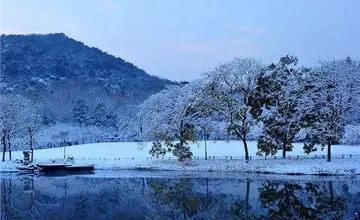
x=61, y=168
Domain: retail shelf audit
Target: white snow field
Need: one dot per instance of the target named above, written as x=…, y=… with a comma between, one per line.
x=229, y=156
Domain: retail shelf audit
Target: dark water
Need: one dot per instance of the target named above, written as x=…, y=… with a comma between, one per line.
x=96, y=197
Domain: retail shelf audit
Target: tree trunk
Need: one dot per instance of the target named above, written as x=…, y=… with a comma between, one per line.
x=284, y=148
x=31, y=145
x=9, y=146
x=181, y=139
x=3, y=140
x=246, y=150
x=244, y=133
x=64, y=149
x=329, y=152
x=206, y=157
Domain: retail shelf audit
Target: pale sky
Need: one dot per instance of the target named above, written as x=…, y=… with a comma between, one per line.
x=180, y=39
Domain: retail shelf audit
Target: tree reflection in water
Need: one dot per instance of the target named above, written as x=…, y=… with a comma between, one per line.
x=22, y=204
x=180, y=200
x=294, y=201
x=175, y=198
x=183, y=202
x=242, y=209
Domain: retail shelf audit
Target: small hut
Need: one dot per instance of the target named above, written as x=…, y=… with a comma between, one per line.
x=27, y=155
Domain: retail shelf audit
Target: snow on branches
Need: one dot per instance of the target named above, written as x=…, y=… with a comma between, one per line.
x=334, y=92
x=227, y=95
x=17, y=114
x=277, y=102
x=167, y=120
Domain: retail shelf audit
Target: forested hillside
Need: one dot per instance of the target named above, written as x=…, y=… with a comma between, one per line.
x=31, y=62
x=71, y=88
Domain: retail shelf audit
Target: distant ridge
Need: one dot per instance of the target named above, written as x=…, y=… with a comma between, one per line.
x=36, y=63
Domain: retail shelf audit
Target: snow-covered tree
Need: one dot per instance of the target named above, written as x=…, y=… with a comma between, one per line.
x=32, y=123
x=277, y=102
x=14, y=116
x=227, y=93
x=334, y=92
x=102, y=116
x=81, y=112
x=351, y=135
x=129, y=123
x=167, y=121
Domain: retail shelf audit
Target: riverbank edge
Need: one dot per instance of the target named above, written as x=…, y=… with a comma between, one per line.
x=314, y=167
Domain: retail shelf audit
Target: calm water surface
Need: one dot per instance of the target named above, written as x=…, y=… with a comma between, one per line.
x=178, y=197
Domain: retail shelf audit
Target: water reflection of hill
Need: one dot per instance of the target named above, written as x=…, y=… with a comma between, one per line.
x=75, y=197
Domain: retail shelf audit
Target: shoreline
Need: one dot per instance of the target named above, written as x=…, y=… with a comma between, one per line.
x=301, y=167
x=158, y=174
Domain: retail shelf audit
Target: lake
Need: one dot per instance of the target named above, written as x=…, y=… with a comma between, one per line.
x=176, y=195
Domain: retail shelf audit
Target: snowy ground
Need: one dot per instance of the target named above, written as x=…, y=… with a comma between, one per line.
x=228, y=157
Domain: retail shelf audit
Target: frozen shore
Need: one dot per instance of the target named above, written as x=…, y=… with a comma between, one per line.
x=277, y=166
x=228, y=158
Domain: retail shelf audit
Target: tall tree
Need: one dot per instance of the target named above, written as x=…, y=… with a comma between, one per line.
x=277, y=102
x=33, y=124
x=334, y=93
x=227, y=94
x=167, y=121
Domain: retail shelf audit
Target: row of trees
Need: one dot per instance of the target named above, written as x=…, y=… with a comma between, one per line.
x=67, y=114
x=18, y=115
x=237, y=95
x=25, y=124
x=241, y=99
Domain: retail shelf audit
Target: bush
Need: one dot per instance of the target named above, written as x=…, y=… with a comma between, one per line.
x=351, y=135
